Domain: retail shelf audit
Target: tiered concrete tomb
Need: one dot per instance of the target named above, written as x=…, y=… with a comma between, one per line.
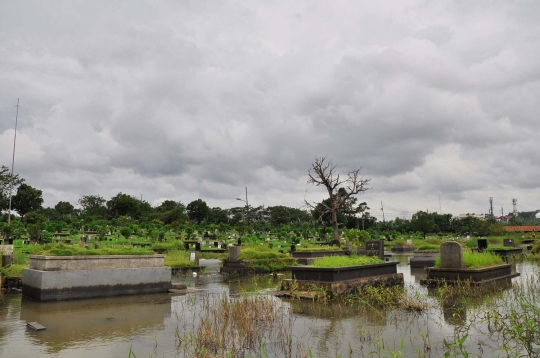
x=57, y=278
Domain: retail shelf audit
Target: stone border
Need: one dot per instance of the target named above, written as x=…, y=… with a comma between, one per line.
x=94, y=262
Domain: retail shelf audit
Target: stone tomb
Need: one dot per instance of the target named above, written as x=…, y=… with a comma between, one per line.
x=57, y=278
x=452, y=271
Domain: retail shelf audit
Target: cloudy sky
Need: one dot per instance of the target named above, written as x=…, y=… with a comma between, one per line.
x=199, y=99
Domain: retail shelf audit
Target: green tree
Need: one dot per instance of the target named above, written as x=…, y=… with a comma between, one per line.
x=8, y=183
x=63, y=208
x=423, y=222
x=124, y=205
x=198, y=211
x=218, y=216
x=125, y=232
x=279, y=215
x=93, y=205
x=27, y=199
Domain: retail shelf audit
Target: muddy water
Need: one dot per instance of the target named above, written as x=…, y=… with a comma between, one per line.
x=147, y=324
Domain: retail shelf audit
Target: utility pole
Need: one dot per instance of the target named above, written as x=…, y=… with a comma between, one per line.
x=382, y=209
x=491, y=213
x=247, y=206
x=13, y=162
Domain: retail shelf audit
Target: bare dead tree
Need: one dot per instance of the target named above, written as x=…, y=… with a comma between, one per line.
x=323, y=173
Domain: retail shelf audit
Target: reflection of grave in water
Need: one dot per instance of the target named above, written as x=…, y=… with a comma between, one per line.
x=418, y=273
x=455, y=301
x=338, y=311
x=69, y=323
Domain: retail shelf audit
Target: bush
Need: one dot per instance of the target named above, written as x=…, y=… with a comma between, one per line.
x=356, y=236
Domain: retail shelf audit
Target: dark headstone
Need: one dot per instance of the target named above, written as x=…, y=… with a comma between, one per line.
x=375, y=248
x=482, y=244
x=451, y=255
x=293, y=248
x=216, y=244
x=6, y=260
x=508, y=242
x=9, y=241
x=239, y=242
x=186, y=245
x=197, y=246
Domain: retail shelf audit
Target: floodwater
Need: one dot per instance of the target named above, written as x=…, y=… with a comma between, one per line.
x=149, y=325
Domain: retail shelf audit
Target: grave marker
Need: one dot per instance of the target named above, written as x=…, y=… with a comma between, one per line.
x=375, y=248
x=451, y=255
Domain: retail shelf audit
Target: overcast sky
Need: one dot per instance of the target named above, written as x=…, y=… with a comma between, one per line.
x=197, y=99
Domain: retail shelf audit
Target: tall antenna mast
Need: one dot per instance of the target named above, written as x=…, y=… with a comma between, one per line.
x=13, y=161
x=382, y=209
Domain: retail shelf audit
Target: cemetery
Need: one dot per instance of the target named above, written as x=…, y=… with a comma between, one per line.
x=298, y=271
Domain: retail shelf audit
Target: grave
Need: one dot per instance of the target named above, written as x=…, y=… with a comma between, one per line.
x=56, y=278
x=452, y=271
x=482, y=245
x=508, y=242
x=375, y=248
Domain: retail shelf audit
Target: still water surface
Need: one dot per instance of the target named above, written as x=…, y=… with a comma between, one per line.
x=147, y=324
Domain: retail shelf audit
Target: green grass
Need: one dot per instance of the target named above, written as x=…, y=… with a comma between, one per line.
x=500, y=247
x=344, y=261
x=72, y=250
x=266, y=259
x=318, y=248
x=178, y=258
x=259, y=253
x=477, y=260
x=14, y=270
x=429, y=247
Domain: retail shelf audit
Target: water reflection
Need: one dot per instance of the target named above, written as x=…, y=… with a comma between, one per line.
x=71, y=322
x=109, y=327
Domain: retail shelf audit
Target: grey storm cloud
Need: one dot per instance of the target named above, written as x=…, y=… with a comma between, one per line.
x=181, y=100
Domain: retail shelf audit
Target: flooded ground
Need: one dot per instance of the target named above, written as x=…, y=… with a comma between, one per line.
x=159, y=325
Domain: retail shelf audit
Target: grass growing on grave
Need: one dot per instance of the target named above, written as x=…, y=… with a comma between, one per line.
x=178, y=258
x=429, y=247
x=344, y=261
x=262, y=257
x=318, y=248
x=500, y=247
x=73, y=250
x=14, y=270
x=477, y=260
x=173, y=245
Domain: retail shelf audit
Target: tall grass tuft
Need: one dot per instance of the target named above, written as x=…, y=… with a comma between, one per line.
x=244, y=327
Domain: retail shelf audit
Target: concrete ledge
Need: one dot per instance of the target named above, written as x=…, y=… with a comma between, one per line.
x=67, y=285
x=94, y=262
